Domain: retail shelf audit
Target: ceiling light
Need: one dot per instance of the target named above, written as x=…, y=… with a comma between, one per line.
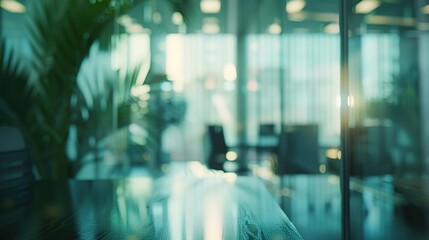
x=12, y=6
x=275, y=28
x=332, y=28
x=294, y=6
x=366, y=6
x=210, y=6
x=425, y=9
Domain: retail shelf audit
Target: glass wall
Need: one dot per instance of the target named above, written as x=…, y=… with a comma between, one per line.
x=123, y=88
x=388, y=137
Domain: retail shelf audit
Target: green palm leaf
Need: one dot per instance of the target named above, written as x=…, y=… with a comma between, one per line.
x=61, y=35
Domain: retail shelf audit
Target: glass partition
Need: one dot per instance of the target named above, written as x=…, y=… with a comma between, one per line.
x=388, y=139
x=123, y=88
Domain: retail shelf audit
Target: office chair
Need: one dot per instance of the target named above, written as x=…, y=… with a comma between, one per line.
x=267, y=138
x=16, y=175
x=218, y=147
x=15, y=163
x=298, y=154
x=298, y=150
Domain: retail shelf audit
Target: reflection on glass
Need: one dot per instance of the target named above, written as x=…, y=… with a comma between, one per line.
x=268, y=74
x=389, y=165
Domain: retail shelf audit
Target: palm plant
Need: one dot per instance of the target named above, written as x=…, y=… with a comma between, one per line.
x=41, y=101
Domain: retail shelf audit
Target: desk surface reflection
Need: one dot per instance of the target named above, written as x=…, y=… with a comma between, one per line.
x=218, y=206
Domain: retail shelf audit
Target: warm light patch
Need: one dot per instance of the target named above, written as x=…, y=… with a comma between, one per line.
x=210, y=84
x=322, y=168
x=294, y=6
x=275, y=28
x=332, y=28
x=252, y=86
x=135, y=28
x=425, y=9
x=230, y=177
x=231, y=156
x=211, y=25
x=229, y=72
x=333, y=153
x=210, y=6
x=366, y=6
x=12, y=6
x=334, y=180
x=350, y=101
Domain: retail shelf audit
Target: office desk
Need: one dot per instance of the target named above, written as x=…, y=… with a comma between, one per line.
x=415, y=205
x=216, y=206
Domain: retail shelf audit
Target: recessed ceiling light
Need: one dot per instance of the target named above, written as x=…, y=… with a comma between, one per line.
x=366, y=6
x=294, y=6
x=252, y=85
x=210, y=6
x=12, y=6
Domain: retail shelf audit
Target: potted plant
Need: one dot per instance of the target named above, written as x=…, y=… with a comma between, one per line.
x=39, y=96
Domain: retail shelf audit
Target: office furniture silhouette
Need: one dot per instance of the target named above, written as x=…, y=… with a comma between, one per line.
x=217, y=147
x=15, y=163
x=16, y=176
x=298, y=153
x=369, y=152
x=298, y=150
x=267, y=139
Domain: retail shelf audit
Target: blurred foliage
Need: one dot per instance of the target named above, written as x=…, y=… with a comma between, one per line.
x=159, y=106
x=42, y=96
x=401, y=104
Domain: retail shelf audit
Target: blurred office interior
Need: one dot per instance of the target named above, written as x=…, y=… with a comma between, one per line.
x=275, y=89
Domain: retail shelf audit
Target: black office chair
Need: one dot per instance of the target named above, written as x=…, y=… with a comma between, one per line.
x=15, y=163
x=267, y=142
x=298, y=154
x=298, y=150
x=218, y=147
x=16, y=175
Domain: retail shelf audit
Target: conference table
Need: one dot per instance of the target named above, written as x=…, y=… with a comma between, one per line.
x=197, y=204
